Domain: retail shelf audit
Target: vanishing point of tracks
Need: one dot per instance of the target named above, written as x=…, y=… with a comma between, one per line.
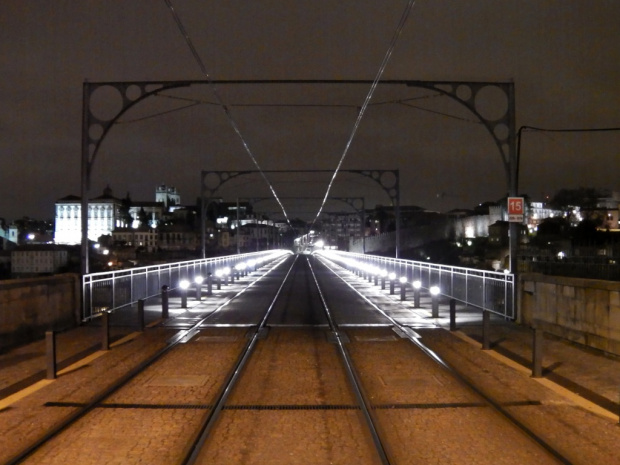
x=295, y=368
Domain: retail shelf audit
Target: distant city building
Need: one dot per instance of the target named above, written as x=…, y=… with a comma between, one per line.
x=608, y=210
x=104, y=214
x=256, y=236
x=537, y=212
x=107, y=212
x=177, y=237
x=168, y=196
x=145, y=238
x=31, y=260
x=337, y=229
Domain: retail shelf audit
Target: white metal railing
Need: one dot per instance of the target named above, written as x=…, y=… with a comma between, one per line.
x=488, y=290
x=112, y=290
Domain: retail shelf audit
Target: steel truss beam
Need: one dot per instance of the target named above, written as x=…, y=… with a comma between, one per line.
x=501, y=125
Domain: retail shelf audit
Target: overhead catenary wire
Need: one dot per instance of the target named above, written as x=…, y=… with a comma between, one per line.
x=223, y=105
x=364, y=106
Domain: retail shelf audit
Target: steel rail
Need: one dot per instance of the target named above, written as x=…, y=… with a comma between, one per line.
x=231, y=380
x=180, y=337
x=458, y=375
x=356, y=384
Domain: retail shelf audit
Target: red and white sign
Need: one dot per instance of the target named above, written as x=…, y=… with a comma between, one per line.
x=516, y=209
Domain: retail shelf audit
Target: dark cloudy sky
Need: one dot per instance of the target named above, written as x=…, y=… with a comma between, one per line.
x=563, y=56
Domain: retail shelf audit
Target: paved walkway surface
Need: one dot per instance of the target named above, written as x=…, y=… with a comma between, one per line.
x=589, y=373
x=582, y=373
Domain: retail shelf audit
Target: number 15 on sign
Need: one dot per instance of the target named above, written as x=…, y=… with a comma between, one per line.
x=516, y=209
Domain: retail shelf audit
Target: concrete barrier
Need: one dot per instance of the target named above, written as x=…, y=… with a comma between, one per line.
x=30, y=307
x=586, y=311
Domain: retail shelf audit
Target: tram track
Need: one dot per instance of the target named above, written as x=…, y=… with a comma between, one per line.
x=486, y=399
x=276, y=392
x=83, y=409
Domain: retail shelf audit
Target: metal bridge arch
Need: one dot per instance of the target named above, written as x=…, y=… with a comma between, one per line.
x=95, y=128
x=392, y=189
x=358, y=204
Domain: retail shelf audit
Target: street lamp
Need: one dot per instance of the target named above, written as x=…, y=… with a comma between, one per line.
x=416, y=293
x=198, y=280
x=403, y=287
x=184, y=285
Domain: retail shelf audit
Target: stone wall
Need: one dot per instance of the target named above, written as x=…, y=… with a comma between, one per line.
x=586, y=311
x=29, y=307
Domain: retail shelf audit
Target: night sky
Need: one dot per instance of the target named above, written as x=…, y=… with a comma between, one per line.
x=563, y=57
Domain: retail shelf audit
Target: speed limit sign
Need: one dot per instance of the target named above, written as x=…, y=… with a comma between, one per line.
x=516, y=209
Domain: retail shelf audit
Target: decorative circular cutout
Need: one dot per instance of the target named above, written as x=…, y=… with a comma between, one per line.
x=133, y=92
x=463, y=92
x=491, y=102
x=212, y=181
x=388, y=179
x=501, y=131
x=105, y=103
x=95, y=131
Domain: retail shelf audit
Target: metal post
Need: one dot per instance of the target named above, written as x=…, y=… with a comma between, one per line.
x=486, y=329
x=50, y=353
x=219, y=283
x=537, y=353
x=141, y=315
x=198, y=291
x=403, y=291
x=452, y=315
x=416, y=297
x=164, y=302
x=435, y=306
x=209, y=284
x=105, y=331
x=183, y=298
x=391, y=287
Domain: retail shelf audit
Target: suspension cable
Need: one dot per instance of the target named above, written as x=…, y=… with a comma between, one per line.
x=371, y=91
x=223, y=105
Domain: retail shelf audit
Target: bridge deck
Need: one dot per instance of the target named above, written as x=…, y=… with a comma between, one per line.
x=591, y=374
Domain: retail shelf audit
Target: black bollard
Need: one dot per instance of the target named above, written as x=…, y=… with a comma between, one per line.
x=164, y=302
x=50, y=354
x=537, y=353
x=452, y=315
x=209, y=284
x=105, y=331
x=486, y=329
x=416, y=293
x=435, y=304
x=141, y=315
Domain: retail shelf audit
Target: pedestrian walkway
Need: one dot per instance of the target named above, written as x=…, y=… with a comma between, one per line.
x=588, y=373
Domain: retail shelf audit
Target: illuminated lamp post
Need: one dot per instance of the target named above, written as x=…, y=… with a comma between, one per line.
x=383, y=276
x=416, y=293
x=392, y=277
x=184, y=285
x=403, y=288
x=198, y=281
